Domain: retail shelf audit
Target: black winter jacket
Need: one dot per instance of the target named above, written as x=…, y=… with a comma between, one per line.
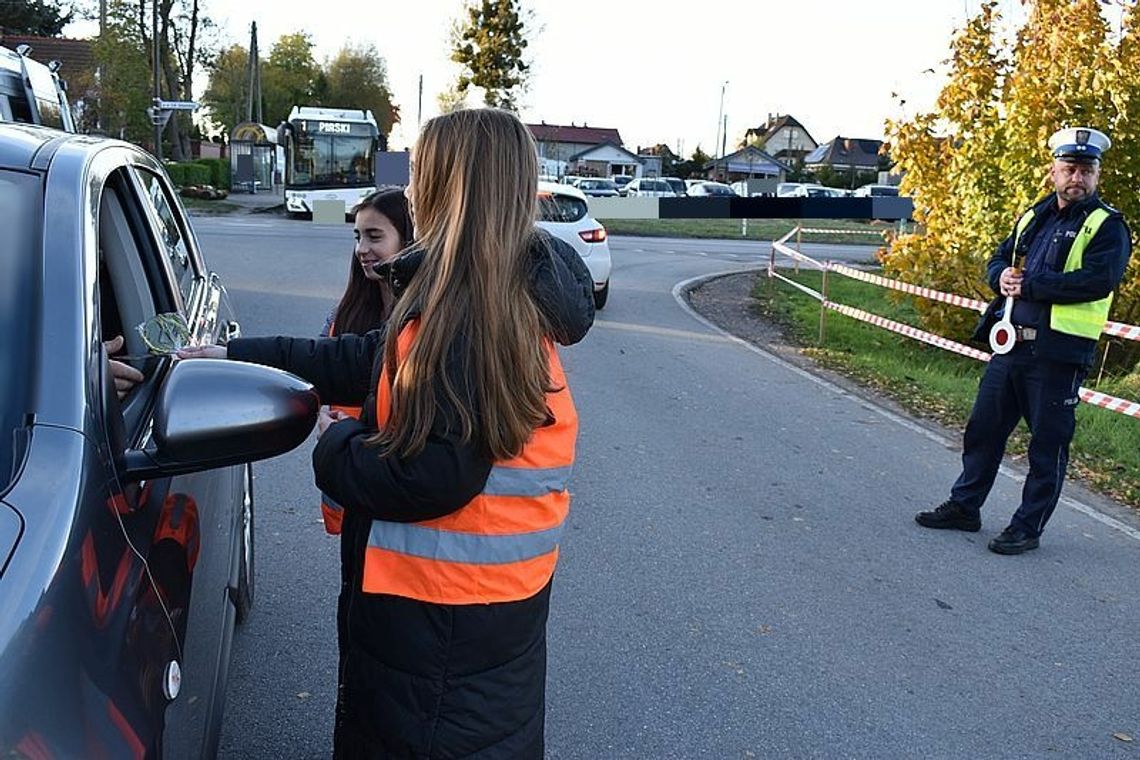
x=1101, y=271
x=423, y=680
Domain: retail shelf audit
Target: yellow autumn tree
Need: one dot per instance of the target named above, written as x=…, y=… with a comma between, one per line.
x=980, y=157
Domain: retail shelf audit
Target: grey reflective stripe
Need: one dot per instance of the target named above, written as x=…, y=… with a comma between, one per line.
x=329, y=501
x=527, y=481
x=473, y=549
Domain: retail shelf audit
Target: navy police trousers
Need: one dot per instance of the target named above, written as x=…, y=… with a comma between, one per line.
x=1016, y=386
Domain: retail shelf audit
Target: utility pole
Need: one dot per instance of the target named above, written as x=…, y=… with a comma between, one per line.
x=724, y=149
x=420, y=105
x=157, y=93
x=719, y=118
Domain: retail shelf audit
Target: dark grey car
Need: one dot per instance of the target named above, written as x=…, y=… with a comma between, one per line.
x=126, y=528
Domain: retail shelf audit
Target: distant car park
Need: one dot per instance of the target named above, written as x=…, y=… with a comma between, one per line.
x=678, y=185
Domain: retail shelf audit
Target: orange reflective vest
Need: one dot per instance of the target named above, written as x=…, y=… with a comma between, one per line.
x=502, y=545
x=331, y=512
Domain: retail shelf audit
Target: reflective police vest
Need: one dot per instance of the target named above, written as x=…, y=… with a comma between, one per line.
x=331, y=512
x=502, y=545
x=1085, y=320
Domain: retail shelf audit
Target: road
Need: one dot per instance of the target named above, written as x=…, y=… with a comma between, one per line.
x=741, y=576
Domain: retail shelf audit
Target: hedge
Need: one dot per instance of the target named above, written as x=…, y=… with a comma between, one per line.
x=219, y=171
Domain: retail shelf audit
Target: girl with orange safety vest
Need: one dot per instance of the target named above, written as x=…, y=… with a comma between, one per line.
x=456, y=494
x=382, y=227
x=454, y=478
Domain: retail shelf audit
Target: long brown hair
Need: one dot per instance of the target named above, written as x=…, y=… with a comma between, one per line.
x=474, y=199
x=366, y=303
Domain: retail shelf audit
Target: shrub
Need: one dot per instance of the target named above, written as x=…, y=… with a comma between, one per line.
x=197, y=174
x=177, y=174
x=219, y=171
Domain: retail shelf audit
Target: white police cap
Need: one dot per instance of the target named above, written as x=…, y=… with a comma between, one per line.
x=1079, y=144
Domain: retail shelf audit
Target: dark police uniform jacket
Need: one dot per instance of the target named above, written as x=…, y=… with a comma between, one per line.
x=1101, y=271
x=400, y=658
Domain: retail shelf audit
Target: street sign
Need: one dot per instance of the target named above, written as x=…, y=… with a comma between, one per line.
x=176, y=105
x=158, y=118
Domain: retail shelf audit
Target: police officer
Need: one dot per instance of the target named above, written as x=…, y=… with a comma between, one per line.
x=1075, y=249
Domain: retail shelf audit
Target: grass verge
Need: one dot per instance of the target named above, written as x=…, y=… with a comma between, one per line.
x=757, y=229
x=936, y=384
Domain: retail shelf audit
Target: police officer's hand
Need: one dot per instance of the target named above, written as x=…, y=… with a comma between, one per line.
x=125, y=376
x=1010, y=282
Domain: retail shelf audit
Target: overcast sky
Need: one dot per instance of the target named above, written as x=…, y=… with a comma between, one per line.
x=655, y=75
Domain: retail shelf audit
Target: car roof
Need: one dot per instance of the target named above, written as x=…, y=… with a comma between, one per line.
x=558, y=188
x=19, y=143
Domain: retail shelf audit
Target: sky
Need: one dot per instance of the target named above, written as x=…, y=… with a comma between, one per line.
x=655, y=75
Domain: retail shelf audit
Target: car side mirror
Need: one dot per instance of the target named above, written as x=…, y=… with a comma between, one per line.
x=217, y=413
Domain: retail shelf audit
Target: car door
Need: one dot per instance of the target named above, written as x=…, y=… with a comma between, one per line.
x=195, y=547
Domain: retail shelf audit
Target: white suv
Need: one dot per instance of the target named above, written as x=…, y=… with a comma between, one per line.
x=649, y=188
x=563, y=212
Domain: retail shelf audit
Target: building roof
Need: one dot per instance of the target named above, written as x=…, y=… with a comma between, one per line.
x=774, y=124
x=749, y=159
x=582, y=135
x=846, y=151
x=75, y=56
x=585, y=153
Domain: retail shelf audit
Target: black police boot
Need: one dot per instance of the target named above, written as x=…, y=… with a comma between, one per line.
x=950, y=515
x=1013, y=541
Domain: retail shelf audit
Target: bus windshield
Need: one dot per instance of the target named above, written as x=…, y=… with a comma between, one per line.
x=322, y=160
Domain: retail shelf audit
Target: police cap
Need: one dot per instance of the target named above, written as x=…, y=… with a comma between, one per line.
x=1083, y=144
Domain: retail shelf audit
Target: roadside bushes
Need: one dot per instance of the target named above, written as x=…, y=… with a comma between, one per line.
x=204, y=171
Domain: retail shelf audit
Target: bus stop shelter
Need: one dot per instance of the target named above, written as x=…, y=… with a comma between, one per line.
x=254, y=163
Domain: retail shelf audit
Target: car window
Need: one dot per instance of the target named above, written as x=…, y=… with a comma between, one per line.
x=134, y=285
x=554, y=207
x=183, y=267
x=21, y=204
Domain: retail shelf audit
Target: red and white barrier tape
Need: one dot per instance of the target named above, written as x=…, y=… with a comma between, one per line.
x=1103, y=400
x=1120, y=330
x=839, y=232
x=907, y=330
x=1111, y=403
x=906, y=287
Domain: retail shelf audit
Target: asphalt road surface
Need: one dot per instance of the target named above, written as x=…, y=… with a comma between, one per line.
x=741, y=575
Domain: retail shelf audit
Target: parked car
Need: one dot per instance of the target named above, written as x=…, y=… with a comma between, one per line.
x=31, y=92
x=564, y=213
x=706, y=189
x=677, y=185
x=126, y=526
x=788, y=189
x=621, y=180
x=597, y=187
x=876, y=191
x=816, y=191
x=644, y=187
x=690, y=182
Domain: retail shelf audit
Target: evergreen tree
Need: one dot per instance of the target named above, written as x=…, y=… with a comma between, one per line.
x=489, y=47
x=37, y=17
